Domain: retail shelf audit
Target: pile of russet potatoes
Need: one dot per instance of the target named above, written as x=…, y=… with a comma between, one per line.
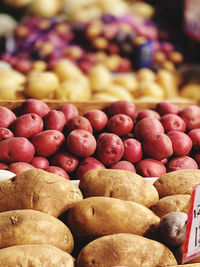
x=114, y=218
x=69, y=142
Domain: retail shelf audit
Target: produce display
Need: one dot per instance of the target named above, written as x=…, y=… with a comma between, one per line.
x=121, y=135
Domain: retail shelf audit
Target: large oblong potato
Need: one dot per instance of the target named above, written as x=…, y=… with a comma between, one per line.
x=171, y=204
x=98, y=216
x=35, y=255
x=181, y=182
x=119, y=184
x=38, y=190
x=127, y=250
x=22, y=227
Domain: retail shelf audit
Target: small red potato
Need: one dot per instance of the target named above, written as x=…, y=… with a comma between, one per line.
x=5, y=134
x=150, y=168
x=123, y=107
x=88, y=164
x=132, y=150
x=172, y=122
x=195, y=137
x=147, y=126
x=81, y=143
x=164, y=161
x=97, y=118
x=124, y=165
x=181, y=163
x=120, y=124
x=18, y=167
x=47, y=142
x=40, y=163
x=66, y=161
x=55, y=120
x=3, y=166
x=16, y=149
x=79, y=123
x=69, y=111
x=27, y=125
x=181, y=143
x=6, y=117
x=35, y=106
x=110, y=149
x=164, y=108
x=157, y=146
x=57, y=170
x=148, y=113
x=191, y=116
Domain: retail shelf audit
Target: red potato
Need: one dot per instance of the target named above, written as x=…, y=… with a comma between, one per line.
x=97, y=118
x=79, y=123
x=157, y=146
x=124, y=165
x=164, y=161
x=47, y=142
x=6, y=117
x=5, y=134
x=197, y=159
x=120, y=124
x=123, y=107
x=100, y=135
x=27, y=125
x=132, y=150
x=16, y=149
x=3, y=166
x=164, y=108
x=55, y=120
x=181, y=163
x=35, y=106
x=88, y=164
x=195, y=137
x=148, y=113
x=172, y=122
x=66, y=161
x=150, y=168
x=40, y=163
x=69, y=111
x=18, y=167
x=110, y=149
x=181, y=143
x=81, y=143
x=191, y=116
x=57, y=170
x=147, y=126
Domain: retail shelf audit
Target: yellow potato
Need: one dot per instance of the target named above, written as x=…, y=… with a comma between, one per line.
x=41, y=85
x=181, y=182
x=118, y=92
x=74, y=90
x=46, y=8
x=145, y=74
x=99, y=77
x=35, y=255
x=98, y=216
x=126, y=80
x=38, y=190
x=29, y=227
x=171, y=204
x=102, y=97
x=149, y=88
x=125, y=250
x=65, y=70
x=191, y=90
x=119, y=184
x=166, y=79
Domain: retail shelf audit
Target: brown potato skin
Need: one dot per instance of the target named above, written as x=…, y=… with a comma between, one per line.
x=171, y=204
x=25, y=227
x=38, y=190
x=181, y=182
x=35, y=255
x=98, y=216
x=127, y=250
x=119, y=184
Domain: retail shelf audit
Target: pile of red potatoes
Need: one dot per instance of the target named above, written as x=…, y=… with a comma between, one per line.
x=148, y=142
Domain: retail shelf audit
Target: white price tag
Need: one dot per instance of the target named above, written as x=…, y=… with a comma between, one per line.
x=192, y=236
